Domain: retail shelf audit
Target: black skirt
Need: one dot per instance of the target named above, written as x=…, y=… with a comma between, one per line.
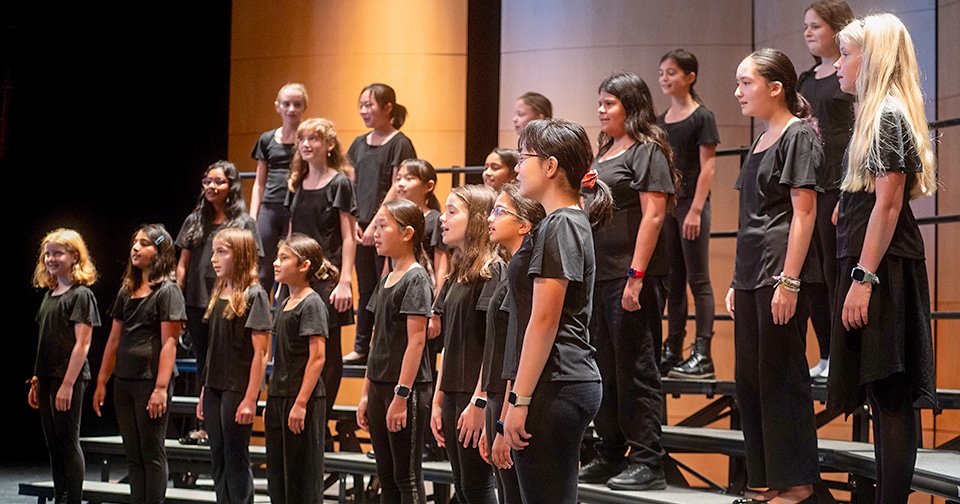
x=896, y=339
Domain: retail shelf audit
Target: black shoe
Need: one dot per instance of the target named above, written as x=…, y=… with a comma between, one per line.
x=638, y=477
x=696, y=367
x=371, y=455
x=599, y=470
x=672, y=354
x=359, y=361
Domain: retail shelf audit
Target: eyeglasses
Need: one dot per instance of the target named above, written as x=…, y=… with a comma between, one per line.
x=524, y=156
x=205, y=181
x=499, y=211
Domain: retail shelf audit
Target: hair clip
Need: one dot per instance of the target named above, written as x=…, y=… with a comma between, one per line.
x=590, y=178
x=863, y=22
x=158, y=241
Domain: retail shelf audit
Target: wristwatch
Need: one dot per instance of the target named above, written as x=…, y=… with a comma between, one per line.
x=402, y=391
x=634, y=273
x=516, y=400
x=479, y=402
x=862, y=275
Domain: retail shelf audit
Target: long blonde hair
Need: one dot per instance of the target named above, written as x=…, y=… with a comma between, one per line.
x=244, y=273
x=83, y=271
x=889, y=81
x=325, y=129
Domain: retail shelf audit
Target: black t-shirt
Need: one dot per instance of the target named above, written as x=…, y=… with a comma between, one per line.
x=200, y=275
x=138, y=355
x=898, y=154
x=57, y=317
x=316, y=213
x=411, y=295
x=230, y=350
x=685, y=137
x=292, y=330
x=464, y=308
x=562, y=247
x=374, y=165
x=519, y=291
x=495, y=340
x=278, y=157
x=641, y=168
x=432, y=235
x=834, y=112
x=766, y=209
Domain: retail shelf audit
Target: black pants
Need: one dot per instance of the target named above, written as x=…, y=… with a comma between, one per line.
x=142, y=439
x=369, y=266
x=229, y=446
x=272, y=224
x=61, y=429
x=773, y=390
x=294, y=461
x=895, y=437
x=689, y=264
x=628, y=354
x=508, y=488
x=200, y=341
x=472, y=476
x=821, y=297
x=559, y=414
x=332, y=373
x=399, y=454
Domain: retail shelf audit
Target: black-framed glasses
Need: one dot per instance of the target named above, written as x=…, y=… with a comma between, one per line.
x=499, y=211
x=523, y=157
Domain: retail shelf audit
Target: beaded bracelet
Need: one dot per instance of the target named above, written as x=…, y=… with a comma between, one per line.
x=788, y=283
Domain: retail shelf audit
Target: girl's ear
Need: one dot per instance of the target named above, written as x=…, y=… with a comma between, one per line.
x=429, y=186
x=525, y=228
x=408, y=233
x=776, y=89
x=388, y=109
x=330, y=145
x=690, y=78
x=550, y=166
x=304, y=266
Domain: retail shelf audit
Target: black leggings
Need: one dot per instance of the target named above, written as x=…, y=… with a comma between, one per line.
x=508, y=489
x=399, y=454
x=229, y=446
x=825, y=240
x=559, y=414
x=61, y=429
x=142, y=439
x=369, y=266
x=689, y=264
x=272, y=224
x=294, y=461
x=895, y=437
x=472, y=476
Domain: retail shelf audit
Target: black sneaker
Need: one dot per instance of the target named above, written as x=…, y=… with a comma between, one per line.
x=599, y=470
x=638, y=477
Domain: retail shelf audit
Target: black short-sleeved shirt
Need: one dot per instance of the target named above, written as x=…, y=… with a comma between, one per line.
x=292, y=330
x=57, y=317
x=464, y=310
x=432, y=236
x=495, y=340
x=562, y=247
x=200, y=275
x=138, y=355
x=374, y=165
x=230, y=350
x=834, y=112
x=898, y=154
x=278, y=157
x=641, y=168
x=411, y=295
x=766, y=209
x=685, y=137
x=316, y=213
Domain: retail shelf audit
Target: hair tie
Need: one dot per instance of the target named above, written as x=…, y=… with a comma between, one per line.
x=158, y=241
x=590, y=178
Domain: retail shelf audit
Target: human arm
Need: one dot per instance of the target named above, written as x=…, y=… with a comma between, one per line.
x=247, y=409
x=84, y=334
x=296, y=420
x=342, y=296
x=107, y=364
x=416, y=339
x=538, y=341
x=708, y=161
x=183, y=265
x=728, y=301
x=470, y=423
x=259, y=187
x=653, y=206
x=876, y=241
x=500, y=452
x=436, y=409
x=362, y=420
x=804, y=202
x=441, y=265
x=169, y=332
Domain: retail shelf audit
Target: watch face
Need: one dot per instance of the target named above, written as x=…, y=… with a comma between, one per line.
x=402, y=391
x=857, y=275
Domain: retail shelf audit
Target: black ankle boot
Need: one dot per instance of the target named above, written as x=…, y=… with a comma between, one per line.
x=672, y=354
x=699, y=366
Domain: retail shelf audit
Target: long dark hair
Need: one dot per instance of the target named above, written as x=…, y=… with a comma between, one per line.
x=384, y=95
x=306, y=248
x=775, y=66
x=164, y=265
x=408, y=213
x=204, y=213
x=688, y=63
x=423, y=170
x=568, y=142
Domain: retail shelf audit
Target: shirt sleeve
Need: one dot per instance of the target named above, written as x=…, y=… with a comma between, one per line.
x=313, y=317
x=344, y=198
x=170, y=304
x=404, y=150
x=85, y=308
x=418, y=295
x=116, y=307
x=802, y=156
x=260, y=149
x=258, y=310
x=558, y=251
x=707, y=133
x=490, y=286
x=898, y=152
x=251, y=225
x=651, y=173
x=181, y=241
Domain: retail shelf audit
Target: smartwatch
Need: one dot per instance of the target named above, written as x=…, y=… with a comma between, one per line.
x=516, y=400
x=479, y=402
x=634, y=273
x=863, y=275
x=500, y=427
x=402, y=391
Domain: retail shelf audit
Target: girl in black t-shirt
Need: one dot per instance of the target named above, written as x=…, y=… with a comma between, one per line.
x=530, y=106
x=510, y=222
x=141, y=352
x=295, y=417
x=777, y=213
x=273, y=152
x=498, y=167
x=239, y=319
x=882, y=348
x=395, y=401
x=457, y=419
x=66, y=318
x=556, y=390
